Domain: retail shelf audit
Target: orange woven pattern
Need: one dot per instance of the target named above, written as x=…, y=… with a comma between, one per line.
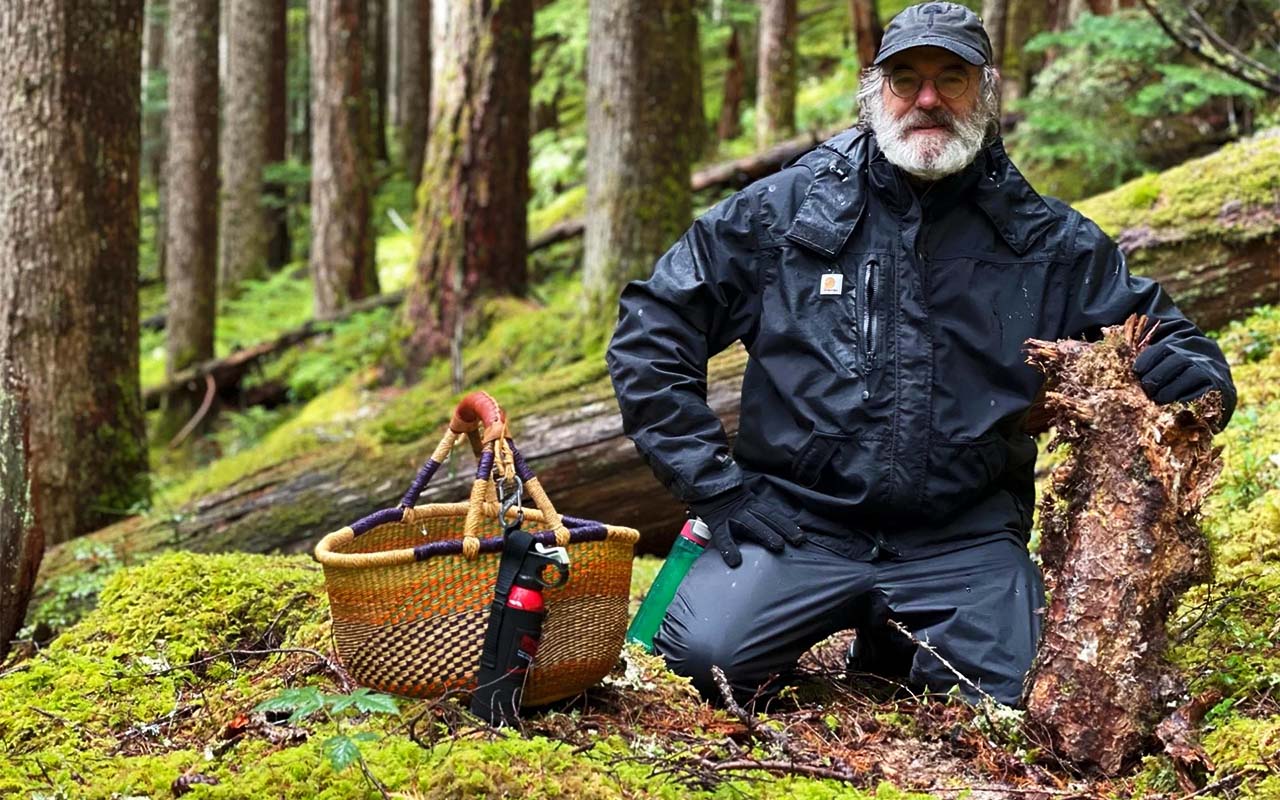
x=416, y=628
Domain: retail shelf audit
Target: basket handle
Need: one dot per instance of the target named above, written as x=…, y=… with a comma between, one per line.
x=480, y=418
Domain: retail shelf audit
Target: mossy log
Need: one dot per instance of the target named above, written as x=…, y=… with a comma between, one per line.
x=1120, y=544
x=229, y=371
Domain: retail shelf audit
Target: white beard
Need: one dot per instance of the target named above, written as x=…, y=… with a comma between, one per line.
x=929, y=156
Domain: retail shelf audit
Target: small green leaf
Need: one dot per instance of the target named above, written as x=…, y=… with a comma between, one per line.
x=366, y=736
x=302, y=702
x=342, y=752
x=376, y=704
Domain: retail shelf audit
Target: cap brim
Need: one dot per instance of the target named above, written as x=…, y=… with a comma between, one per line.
x=963, y=50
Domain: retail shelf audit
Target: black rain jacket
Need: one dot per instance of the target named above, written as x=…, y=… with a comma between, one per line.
x=886, y=388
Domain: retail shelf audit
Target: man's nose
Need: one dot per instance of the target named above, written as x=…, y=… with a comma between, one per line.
x=928, y=97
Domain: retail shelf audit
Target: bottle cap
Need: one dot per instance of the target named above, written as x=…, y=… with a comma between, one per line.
x=696, y=531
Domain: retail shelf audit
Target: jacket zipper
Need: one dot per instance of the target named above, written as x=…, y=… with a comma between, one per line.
x=868, y=313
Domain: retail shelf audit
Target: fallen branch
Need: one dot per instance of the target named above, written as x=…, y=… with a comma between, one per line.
x=762, y=732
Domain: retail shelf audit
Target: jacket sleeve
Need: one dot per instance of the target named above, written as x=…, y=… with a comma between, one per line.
x=703, y=295
x=1102, y=292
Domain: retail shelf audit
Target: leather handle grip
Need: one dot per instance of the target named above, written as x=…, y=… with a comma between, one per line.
x=479, y=410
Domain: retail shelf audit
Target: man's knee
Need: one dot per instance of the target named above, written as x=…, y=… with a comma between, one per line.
x=692, y=653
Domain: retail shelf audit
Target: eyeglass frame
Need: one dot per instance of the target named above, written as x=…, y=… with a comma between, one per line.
x=934, y=79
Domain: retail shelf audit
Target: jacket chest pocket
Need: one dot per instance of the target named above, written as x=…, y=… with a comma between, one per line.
x=850, y=302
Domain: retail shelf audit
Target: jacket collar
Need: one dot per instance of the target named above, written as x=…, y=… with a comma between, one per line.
x=991, y=182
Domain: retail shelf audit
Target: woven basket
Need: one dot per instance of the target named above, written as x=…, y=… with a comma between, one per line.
x=410, y=587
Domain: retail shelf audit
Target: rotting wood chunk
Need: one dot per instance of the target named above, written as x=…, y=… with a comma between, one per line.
x=1120, y=543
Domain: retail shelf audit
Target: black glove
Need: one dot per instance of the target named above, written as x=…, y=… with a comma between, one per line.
x=738, y=514
x=1167, y=376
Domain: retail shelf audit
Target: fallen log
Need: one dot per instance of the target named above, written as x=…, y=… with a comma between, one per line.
x=1119, y=544
x=227, y=372
x=734, y=174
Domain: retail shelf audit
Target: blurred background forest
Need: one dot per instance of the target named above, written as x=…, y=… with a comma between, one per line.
x=253, y=251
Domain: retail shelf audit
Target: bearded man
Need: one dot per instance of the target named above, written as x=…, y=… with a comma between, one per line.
x=883, y=286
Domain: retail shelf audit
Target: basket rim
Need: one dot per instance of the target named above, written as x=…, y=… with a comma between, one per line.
x=326, y=551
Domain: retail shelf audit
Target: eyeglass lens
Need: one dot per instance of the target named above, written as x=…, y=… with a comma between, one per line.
x=950, y=83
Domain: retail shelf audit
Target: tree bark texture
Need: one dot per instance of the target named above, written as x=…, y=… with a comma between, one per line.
x=279, y=246
x=475, y=174
x=776, y=81
x=192, y=177
x=243, y=233
x=21, y=539
x=342, y=237
x=730, y=124
x=867, y=31
x=414, y=85
x=153, y=76
x=376, y=30
x=995, y=16
x=70, y=152
x=638, y=200
x=1119, y=543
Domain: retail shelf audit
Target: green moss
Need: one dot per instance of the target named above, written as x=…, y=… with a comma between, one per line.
x=1230, y=193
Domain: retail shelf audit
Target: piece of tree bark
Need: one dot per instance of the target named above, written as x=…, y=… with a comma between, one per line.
x=414, y=85
x=776, y=72
x=21, y=538
x=638, y=82
x=730, y=124
x=475, y=175
x=70, y=152
x=243, y=235
x=342, y=236
x=191, y=174
x=867, y=31
x=279, y=244
x=1119, y=542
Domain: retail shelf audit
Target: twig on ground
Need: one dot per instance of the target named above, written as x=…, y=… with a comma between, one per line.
x=763, y=732
x=210, y=389
x=893, y=623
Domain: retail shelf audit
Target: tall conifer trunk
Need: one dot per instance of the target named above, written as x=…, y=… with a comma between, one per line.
x=70, y=153
x=414, y=89
x=867, y=32
x=243, y=236
x=192, y=177
x=776, y=83
x=638, y=85
x=475, y=175
x=342, y=265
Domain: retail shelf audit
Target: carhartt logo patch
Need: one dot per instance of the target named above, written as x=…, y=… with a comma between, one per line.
x=832, y=283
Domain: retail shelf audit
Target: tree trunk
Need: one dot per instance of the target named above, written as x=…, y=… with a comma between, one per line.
x=776, y=82
x=243, y=237
x=377, y=33
x=475, y=174
x=637, y=155
x=730, y=124
x=299, y=71
x=153, y=98
x=995, y=15
x=699, y=132
x=342, y=265
x=21, y=539
x=70, y=150
x=279, y=246
x=867, y=31
x=414, y=89
x=192, y=176
x=154, y=102
x=1120, y=545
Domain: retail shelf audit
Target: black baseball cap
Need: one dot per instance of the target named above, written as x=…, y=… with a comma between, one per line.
x=947, y=25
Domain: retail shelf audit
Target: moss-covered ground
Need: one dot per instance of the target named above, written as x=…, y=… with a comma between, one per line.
x=161, y=680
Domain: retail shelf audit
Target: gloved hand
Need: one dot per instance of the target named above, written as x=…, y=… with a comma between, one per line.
x=1167, y=376
x=739, y=515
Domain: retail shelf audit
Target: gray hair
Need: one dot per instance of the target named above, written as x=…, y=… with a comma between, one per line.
x=871, y=86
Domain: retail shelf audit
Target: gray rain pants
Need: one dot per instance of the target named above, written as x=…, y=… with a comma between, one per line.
x=978, y=607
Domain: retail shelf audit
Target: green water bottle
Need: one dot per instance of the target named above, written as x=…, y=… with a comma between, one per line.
x=688, y=546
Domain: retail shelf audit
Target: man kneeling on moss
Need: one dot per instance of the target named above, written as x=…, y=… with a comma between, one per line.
x=883, y=285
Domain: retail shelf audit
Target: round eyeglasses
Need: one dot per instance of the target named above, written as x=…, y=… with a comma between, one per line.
x=905, y=82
